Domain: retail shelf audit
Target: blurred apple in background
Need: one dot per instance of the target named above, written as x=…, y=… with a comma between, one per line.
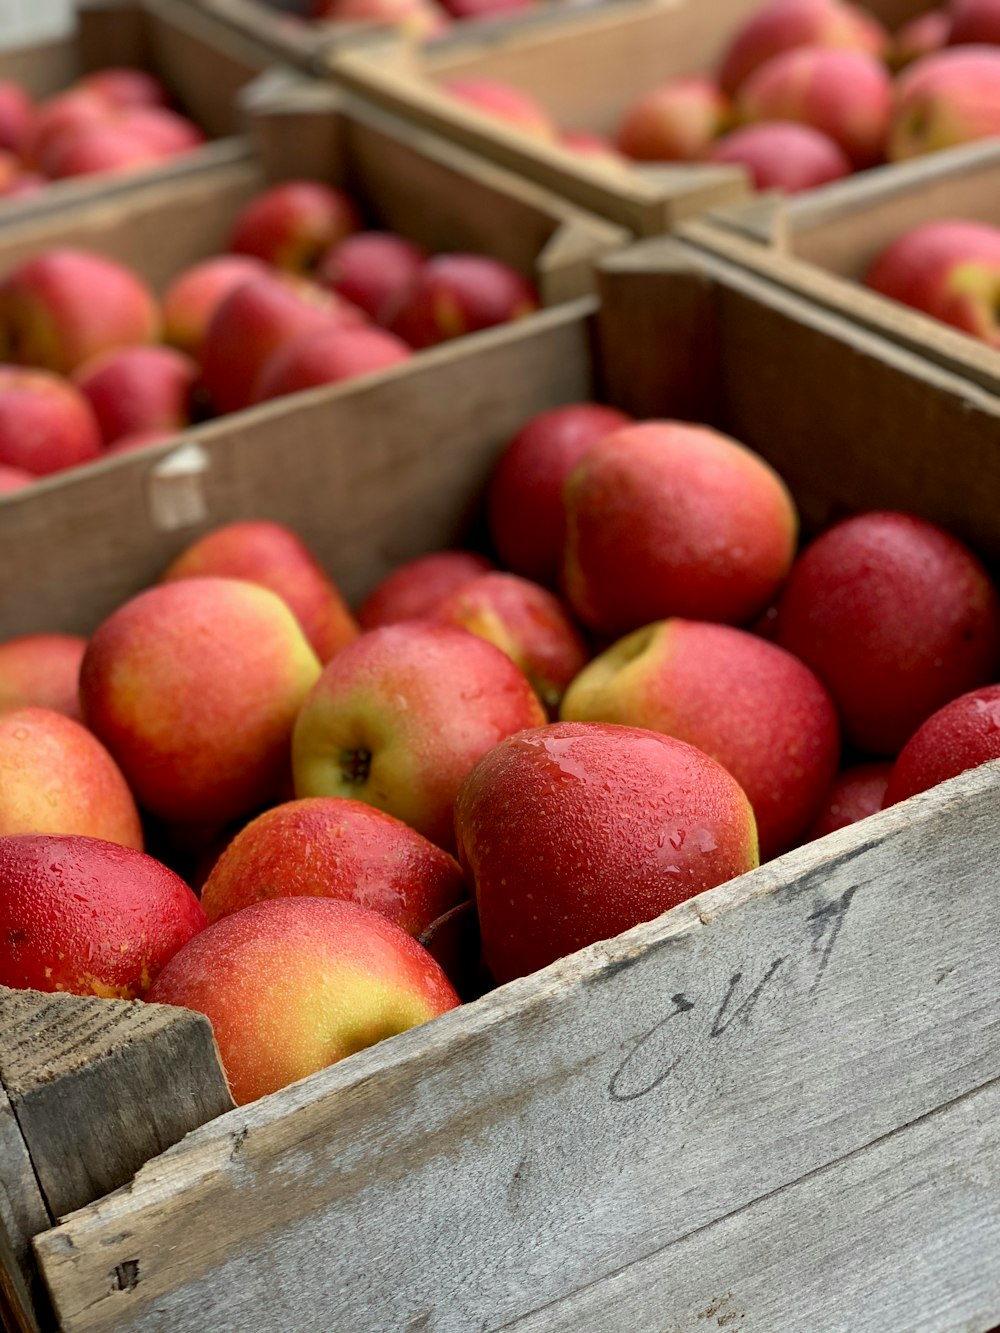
x=856, y=793
x=575, y=832
x=295, y=984
x=133, y=389
x=89, y=917
x=400, y=716
x=784, y=25
x=193, y=297
x=42, y=671
x=675, y=122
x=373, y=270
x=64, y=306
x=501, y=100
x=457, y=294
x=292, y=225
x=920, y=37
x=46, y=424
x=782, y=155
x=949, y=269
x=328, y=356
x=948, y=98
x=55, y=777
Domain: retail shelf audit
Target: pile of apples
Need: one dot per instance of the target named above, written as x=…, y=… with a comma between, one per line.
x=949, y=269
x=659, y=691
x=306, y=297
x=805, y=94
x=117, y=119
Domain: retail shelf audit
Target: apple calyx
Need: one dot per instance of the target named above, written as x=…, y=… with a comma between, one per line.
x=355, y=766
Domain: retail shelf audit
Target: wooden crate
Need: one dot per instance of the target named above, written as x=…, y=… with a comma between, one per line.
x=407, y=179
x=821, y=245
x=774, y=1108
x=586, y=67
x=202, y=62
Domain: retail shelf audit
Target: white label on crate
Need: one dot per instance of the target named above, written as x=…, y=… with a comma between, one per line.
x=176, y=493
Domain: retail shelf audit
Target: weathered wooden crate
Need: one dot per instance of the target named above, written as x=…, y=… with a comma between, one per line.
x=406, y=179
x=585, y=67
x=821, y=245
x=775, y=1108
x=202, y=61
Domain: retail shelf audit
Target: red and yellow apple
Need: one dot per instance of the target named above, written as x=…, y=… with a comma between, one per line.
x=138, y=389
x=415, y=590
x=947, y=98
x=46, y=424
x=784, y=25
x=194, y=296
x=783, y=155
x=292, y=225
x=674, y=122
x=42, y=671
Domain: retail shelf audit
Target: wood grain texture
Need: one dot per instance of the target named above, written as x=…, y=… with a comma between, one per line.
x=23, y=1214
x=585, y=66
x=588, y=1117
x=834, y=1251
x=99, y=1086
x=822, y=244
x=332, y=452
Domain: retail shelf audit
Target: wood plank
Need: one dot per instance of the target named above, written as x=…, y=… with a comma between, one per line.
x=558, y=1129
x=891, y=1239
x=99, y=1086
x=23, y=1214
x=333, y=451
x=157, y=227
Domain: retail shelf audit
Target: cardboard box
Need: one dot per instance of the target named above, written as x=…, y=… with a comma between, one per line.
x=775, y=1107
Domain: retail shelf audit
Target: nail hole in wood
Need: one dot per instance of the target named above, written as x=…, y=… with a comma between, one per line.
x=125, y=1276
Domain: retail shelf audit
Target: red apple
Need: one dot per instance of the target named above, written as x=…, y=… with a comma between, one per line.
x=292, y=225
x=17, y=117
x=417, y=589
x=89, y=917
x=417, y=20
x=98, y=148
x=46, y=424
x=972, y=22
x=949, y=269
x=526, y=622
x=63, y=306
x=14, y=478
x=400, y=716
x=457, y=294
x=948, y=98
x=896, y=617
x=670, y=519
x=920, y=37
x=782, y=155
x=595, y=148
x=194, y=687
x=856, y=793
x=62, y=116
x=502, y=101
x=274, y=557
x=250, y=324
x=329, y=847
x=139, y=439
x=124, y=86
x=674, y=122
x=575, y=832
x=55, y=777
x=373, y=270
x=962, y=735
x=165, y=132
x=784, y=25
x=477, y=9
x=295, y=984
x=846, y=95
x=527, y=521
x=194, y=295
x=135, y=389
x=42, y=671
x=327, y=356
x=749, y=704
x=24, y=185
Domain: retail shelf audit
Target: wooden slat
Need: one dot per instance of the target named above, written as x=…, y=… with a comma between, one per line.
x=43, y=68
x=321, y=466
x=591, y=1115
x=23, y=1214
x=834, y=1249
x=100, y=1086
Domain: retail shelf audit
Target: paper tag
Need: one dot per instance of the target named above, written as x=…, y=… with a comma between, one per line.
x=176, y=494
